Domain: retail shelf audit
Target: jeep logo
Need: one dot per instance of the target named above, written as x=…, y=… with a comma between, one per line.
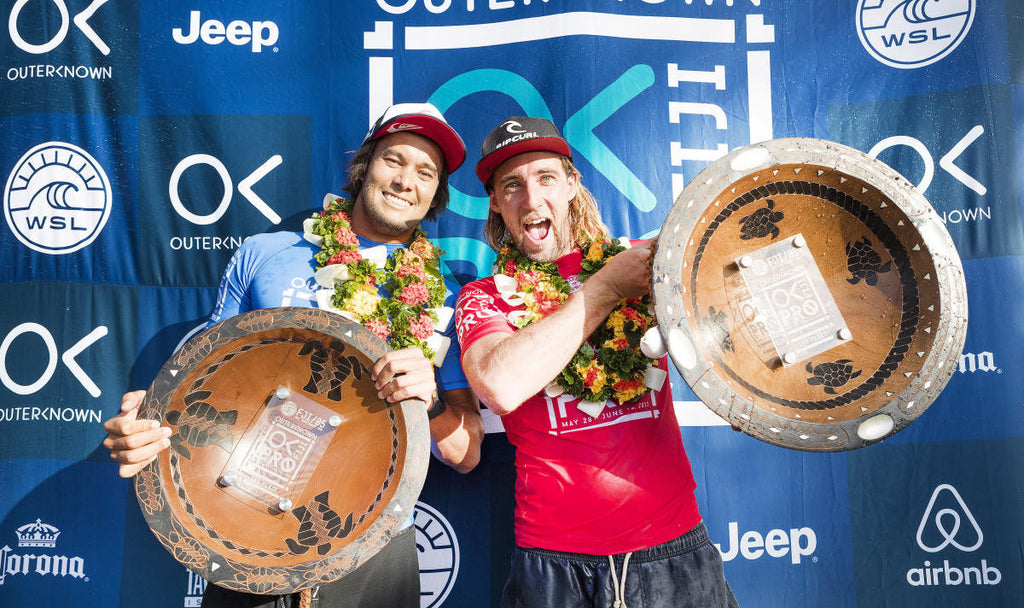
x=258, y=34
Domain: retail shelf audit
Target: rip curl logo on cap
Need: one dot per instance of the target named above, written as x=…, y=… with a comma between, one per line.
x=57, y=199
x=402, y=126
x=513, y=126
x=910, y=34
x=950, y=523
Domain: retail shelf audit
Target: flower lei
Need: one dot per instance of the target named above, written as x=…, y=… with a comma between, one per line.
x=609, y=364
x=411, y=276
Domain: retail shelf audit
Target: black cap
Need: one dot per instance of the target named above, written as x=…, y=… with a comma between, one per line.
x=517, y=135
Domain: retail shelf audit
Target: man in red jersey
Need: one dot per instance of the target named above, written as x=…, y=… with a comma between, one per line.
x=605, y=509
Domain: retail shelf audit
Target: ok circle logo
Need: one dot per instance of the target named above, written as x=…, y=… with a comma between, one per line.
x=57, y=199
x=910, y=34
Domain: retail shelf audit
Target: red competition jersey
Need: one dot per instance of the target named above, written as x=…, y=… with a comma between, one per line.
x=616, y=483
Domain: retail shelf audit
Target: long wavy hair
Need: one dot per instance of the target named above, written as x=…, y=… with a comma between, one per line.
x=584, y=219
x=360, y=164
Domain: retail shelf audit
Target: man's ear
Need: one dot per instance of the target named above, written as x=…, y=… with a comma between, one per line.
x=574, y=184
x=493, y=203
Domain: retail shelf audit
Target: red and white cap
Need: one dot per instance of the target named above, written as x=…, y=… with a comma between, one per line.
x=422, y=119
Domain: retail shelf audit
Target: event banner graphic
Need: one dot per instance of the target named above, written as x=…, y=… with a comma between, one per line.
x=141, y=143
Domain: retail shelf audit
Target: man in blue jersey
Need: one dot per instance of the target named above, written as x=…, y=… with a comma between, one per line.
x=397, y=178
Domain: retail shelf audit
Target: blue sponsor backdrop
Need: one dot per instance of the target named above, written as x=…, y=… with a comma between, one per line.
x=168, y=132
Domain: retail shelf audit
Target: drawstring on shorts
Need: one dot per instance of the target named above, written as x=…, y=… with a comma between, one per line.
x=620, y=590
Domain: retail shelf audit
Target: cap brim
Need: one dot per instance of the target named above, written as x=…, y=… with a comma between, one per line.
x=488, y=164
x=435, y=130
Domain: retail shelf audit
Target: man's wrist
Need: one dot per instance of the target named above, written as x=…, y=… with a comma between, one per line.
x=437, y=407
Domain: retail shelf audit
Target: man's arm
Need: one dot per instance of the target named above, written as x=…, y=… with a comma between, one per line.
x=507, y=369
x=455, y=425
x=458, y=429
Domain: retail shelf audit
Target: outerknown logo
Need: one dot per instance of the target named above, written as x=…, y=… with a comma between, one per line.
x=245, y=188
x=81, y=21
x=909, y=34
x=9, y=349
x=438, y=550
x=57, y=199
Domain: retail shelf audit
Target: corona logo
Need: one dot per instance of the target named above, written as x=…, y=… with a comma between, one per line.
x=57, y=199
x=37, y=534
x=978, y=362
x=438, y=551
x=909, y=34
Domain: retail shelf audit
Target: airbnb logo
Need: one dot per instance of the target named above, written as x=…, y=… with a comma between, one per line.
x=949, y=523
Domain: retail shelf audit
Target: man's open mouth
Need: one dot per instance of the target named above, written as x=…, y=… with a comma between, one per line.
x=537, y=230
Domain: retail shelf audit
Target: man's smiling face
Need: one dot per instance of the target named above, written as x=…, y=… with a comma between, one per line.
x=399, y=187
x=532, y=193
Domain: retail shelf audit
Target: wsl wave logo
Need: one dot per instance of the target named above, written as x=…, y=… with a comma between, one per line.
x=948, y=523
x=34, y=536
x=909, y=34
x=57, y=198
x=438, y=550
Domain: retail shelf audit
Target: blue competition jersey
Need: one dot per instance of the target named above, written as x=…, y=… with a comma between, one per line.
x=276, y=269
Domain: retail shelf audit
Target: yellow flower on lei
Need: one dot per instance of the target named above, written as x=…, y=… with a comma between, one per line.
x=628, y=394
x=363, y=303
x=616, y=320
x=593, y=375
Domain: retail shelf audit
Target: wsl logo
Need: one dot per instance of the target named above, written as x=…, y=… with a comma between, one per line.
x=57, y=199
x=910, y=34
x=33, y=536
x=948, y=523
x=438, y=551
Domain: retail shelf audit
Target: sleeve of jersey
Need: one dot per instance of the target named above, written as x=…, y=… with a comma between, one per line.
x=449, y=374
x=233, y=295
x=477, y=315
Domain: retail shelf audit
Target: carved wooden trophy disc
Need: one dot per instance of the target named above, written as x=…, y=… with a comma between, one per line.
x=285, y=469
x=809, y=295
